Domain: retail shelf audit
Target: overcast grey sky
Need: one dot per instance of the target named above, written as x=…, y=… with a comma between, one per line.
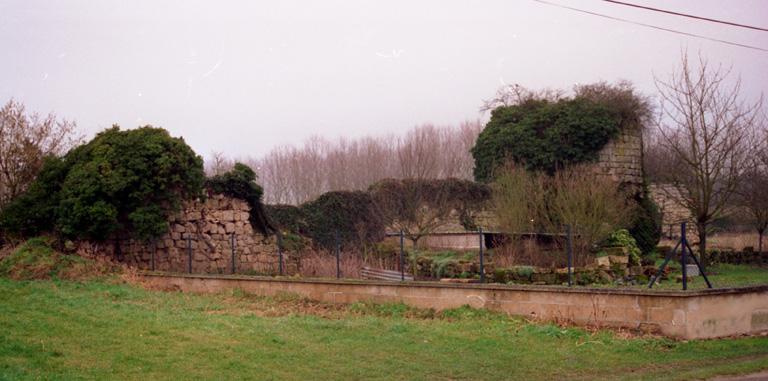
x=243, y=77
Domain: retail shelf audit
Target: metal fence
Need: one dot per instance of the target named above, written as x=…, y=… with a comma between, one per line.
x=676, y=267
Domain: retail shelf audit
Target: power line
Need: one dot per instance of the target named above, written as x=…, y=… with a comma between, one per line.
x=653, y=26
x=687, y=15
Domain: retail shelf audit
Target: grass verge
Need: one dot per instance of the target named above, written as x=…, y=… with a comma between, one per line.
x=98, y=330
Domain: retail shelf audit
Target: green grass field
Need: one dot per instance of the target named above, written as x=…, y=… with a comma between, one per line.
x=61, y=330
x=721, y=276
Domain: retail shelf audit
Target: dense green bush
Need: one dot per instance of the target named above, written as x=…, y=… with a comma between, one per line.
x=119, y=183
x=34, y=211
x=350, y=214
x=622, y=238
x=240, y=182
x=286, y=217
x=544, y=135
x=645, y=226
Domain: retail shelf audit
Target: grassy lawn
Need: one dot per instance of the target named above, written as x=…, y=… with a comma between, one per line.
x=104, y=330
x=721, y=276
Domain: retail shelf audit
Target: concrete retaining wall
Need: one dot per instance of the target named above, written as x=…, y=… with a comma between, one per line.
x=688, y=315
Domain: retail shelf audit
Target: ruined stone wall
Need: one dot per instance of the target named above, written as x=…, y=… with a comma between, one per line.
x=667, y=198
x=622, y=158
x=207, y=231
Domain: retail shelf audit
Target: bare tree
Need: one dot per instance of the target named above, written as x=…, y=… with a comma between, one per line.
x=593, y=205
x=417, y=153
x=704, y=126
x=293, y=175
x=419, y=207
x=656, y=156
x=25, y=140
x=752, y=194
x=218, y=164
x=514, y=94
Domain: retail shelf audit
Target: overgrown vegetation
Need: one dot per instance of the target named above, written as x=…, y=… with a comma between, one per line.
x=549, y=133
x=119, y=183
x=417, y=206
x=546, y=131
x=592, y=205
x=347, y=216
x=286, y=217
x=36, y=259
x=240, y=183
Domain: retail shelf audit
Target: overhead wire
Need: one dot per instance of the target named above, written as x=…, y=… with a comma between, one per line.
x=653, y=26
x=687, y=15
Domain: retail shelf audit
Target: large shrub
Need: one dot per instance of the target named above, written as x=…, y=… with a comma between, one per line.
x=286, y=217
x=119, y=183
x=350, y=214
x=34, y=211
x=645, y=226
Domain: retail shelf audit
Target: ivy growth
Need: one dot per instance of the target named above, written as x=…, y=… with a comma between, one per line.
x=544, y=135
x=545, y=132
x=350, y=214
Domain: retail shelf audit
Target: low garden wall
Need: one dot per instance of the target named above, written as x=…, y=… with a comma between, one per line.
x=687, y=315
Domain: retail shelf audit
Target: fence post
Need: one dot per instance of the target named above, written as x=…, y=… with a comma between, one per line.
x=232, y=249
x=338, y=253
x=482, y=265
x=569, y=249
x=154, y=250
x=402, y=254
x=280, y=253
x=684, y=257
x=189, y=253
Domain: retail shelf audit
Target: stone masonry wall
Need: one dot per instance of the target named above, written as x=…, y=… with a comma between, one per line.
x=622, y=158
x=667, y=198
x=206, y=230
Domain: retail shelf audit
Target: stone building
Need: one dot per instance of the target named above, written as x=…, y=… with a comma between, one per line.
x=215, y=234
